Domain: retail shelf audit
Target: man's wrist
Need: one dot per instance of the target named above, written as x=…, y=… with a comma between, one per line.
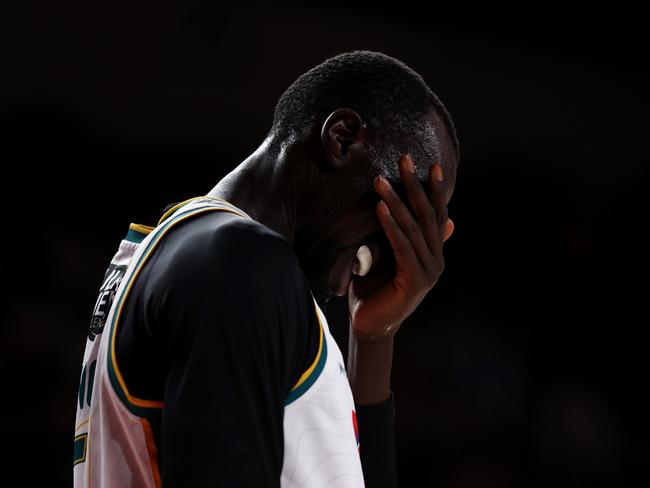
x=375, y=336
x=369, y=369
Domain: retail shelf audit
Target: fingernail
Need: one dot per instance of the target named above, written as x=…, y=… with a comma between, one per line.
x=383, y=207
x=449, y=229
x=384, y=183
x=408, y=163
x=438, y=170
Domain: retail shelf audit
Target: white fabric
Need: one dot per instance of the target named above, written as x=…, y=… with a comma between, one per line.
x=320, y=447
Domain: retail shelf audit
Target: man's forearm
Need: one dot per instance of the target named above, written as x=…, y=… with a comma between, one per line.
x=369, y=369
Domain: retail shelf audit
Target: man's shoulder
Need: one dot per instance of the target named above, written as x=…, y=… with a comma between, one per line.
x=236, y=235
x=231, y=244
x=230, y=265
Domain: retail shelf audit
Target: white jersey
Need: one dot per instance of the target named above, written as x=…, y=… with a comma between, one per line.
x=114, y=444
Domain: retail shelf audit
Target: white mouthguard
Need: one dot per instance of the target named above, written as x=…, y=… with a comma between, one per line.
x=363, y=262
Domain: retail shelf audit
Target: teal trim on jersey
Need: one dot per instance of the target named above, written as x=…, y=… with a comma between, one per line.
x=135, y=236
x=302, y=389
x=80, y=443
x=152, y=413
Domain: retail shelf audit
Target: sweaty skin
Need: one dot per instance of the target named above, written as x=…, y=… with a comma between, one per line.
x=305, y=194
x=377, y=306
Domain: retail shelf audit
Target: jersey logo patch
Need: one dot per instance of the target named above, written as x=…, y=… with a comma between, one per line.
x=111, y=281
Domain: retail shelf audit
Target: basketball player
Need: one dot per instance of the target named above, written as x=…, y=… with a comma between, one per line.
x=209, y=360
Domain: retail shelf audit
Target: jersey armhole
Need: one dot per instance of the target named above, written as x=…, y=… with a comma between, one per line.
x=311, y=374
x=143, y=408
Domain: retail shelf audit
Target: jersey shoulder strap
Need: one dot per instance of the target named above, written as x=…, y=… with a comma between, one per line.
x=200, y=202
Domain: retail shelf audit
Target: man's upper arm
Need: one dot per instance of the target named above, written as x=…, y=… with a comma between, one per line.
x=240, y=327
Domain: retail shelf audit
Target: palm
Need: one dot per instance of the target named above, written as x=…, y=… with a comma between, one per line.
x=381, y=300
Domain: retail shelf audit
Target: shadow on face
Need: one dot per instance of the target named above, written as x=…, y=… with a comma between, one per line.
x=347, y=221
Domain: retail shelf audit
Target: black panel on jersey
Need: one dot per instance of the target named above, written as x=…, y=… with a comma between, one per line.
x=246, y=252
x=219, y=325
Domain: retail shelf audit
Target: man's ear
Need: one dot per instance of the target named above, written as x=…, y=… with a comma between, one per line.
x=342, y=135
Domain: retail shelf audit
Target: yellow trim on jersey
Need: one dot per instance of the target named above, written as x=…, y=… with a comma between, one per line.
x=311, y=368
x=135, y=401
x=139, y=402
x=141, y=228
x=176, y=207
x=179, y=205
x=81, y=424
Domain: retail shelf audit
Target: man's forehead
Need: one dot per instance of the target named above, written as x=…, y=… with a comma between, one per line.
x=445, y=154
x=445, y=143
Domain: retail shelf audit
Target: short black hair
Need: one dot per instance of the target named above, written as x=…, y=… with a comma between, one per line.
x=390, y=97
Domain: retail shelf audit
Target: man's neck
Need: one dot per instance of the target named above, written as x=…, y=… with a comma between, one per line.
x=264, y=187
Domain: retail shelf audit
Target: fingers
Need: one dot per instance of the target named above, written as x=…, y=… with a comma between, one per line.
x=405, y=257
x=404, y=220
x=437, y=199
x=422, y=208
x=416, y=235
x=438, y=193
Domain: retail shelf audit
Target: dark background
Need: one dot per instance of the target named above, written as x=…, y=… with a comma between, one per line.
x=525, y=366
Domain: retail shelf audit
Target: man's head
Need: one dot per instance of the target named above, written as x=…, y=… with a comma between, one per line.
x=356, y=114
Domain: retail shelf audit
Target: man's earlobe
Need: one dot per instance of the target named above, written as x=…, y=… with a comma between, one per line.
x=342, y=136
